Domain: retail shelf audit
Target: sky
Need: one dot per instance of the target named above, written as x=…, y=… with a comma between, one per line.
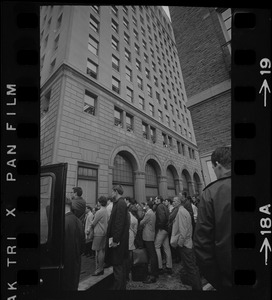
x=166, y=9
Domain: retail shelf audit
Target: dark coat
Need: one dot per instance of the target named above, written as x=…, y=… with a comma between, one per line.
x=79, y=208
x=162, y=217
x=212, y=238
x=74, y=243
x=188, y=206
x=118, y=229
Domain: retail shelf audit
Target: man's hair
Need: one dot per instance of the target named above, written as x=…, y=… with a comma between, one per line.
x=109, y=198
x=131, y=200
x=78, y=191
x=160, y=198
x=103, y=200
x=184, y=194
x=149, y=203
x=89, y=207
x=222, y=155
x=179, y=198
x=119, y=189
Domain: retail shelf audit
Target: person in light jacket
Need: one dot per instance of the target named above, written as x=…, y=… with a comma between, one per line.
x=182, y=238
x=100, y=225
x=148, y=223
x=88, y=222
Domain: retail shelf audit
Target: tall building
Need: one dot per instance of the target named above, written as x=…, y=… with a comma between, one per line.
x=113, y=102
x=203, y=38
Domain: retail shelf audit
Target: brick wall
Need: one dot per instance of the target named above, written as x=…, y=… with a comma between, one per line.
x=212, y=122
x=199, y=38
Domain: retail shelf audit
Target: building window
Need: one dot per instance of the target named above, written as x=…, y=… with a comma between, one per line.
x=118, y=117
x=45, y=103
x=127, y=55
x=114, y=10
x=128, y=74
x=159, y=61
x=136, y=35
x=147, y=73
x=114, y=43
x=158, y=97
x=114, y=26
x=168, y=121
x=52, y=65
x=152, y=52
x=150, y=41
x=183, y=119
x=172, y=108
x=175, y=125
x=92, y=69
x=178, y=114
x=145, y=130
x=133, y=8
x=93, y=45
x=88, y=180
x=190, y=135
x=142, y=103
x=156, y=81
x=142, y=30
x=169, y=94
x=165, y=104
x=126, y=23
x=180, y=129
x=185, y=132
x=225, y=20
x=94, y=24
x=134, y=20
x=129, y=123
x=188, y=124
x=185, y=108
x=183, y=149
x=90, y=103
x=115, y=63
x=167, y=80
x=140, y=82
x=138, y=65
x=137, y=49
x=115, y=85
x=160, y=71
x=125, y=10
x=129, y=95
x=170, y=141
x=175, y=99
x=151, y=110
x=153, y=66
x=95, y=8
x=144, y=44
x=126, y=38
x=160, y=115
x=164, y=139
x=56, y=43
x=153, y=134
x=149, y=90
x=59, y=21
x=145, y=57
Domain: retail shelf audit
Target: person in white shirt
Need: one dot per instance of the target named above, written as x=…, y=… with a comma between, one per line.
x=109, y=205
x=88, y=222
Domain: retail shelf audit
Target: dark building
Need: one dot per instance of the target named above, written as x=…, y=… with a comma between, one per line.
x=203, y=38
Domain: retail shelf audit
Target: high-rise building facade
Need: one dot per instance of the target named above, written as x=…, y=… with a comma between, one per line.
x=203, y=38
x=113, y=102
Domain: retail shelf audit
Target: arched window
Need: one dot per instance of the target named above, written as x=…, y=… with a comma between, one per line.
x=151, y=181
x=170, y=183
x=184, y=182
x=197, y=183
x=123, y=174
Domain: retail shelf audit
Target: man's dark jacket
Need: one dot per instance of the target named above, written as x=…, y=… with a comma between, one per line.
x=79, y=208
x=74, y=243
x=118, y=229
x=162, y=217
x=212, y=238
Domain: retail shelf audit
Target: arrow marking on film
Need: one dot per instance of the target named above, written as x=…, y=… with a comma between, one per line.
x=266, y=245
x=265, y=87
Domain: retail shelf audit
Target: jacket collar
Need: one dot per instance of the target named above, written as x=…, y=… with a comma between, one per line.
x=226, y=175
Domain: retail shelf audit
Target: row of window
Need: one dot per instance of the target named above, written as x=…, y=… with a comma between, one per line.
x=159, y=26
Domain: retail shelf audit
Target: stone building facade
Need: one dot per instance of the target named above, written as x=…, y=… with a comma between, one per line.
x=203, y=38
x=111, y=127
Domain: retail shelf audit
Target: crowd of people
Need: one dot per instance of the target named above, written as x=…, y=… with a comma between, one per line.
x=190, y=230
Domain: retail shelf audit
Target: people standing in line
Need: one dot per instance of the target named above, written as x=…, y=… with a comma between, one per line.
x=193, y=207
x=182, y=238
x=212, y=237
x=162, y=239
x=195, y=199
x=88, y=222
x=148, y=223
x=100, y=225
x=168, y=202
x=74, y=244
x=187, y=205
x=118, y=238
x=78, y=203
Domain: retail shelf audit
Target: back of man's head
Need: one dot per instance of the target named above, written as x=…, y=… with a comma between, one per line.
x=78, y=191
x=119, y=189
x=222, y=155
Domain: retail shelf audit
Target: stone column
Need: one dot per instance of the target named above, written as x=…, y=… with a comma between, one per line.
x=163, y=186
x=191, y=187
x=110, y=179
x=139, y=186
x=178, y=185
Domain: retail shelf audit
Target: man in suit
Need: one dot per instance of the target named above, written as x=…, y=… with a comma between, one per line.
x=117, y=251
x=148, y=223
x=74, y=243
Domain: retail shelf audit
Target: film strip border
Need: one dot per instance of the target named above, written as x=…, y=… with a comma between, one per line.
x=251, y=144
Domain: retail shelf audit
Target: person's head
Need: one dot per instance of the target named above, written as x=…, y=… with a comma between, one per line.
x=221, y=161
x=133, y=209
x=177, y=200
x=76, y=192
x=117, y=191
x=190, y=199
x=88, y=208
x=167, y=201
x=158, y=200
x=102, y=201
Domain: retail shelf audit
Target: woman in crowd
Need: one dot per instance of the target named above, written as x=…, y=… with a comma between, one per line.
x=99, y=225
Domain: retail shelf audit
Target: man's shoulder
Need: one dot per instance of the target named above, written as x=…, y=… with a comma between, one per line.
x=215, y=184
